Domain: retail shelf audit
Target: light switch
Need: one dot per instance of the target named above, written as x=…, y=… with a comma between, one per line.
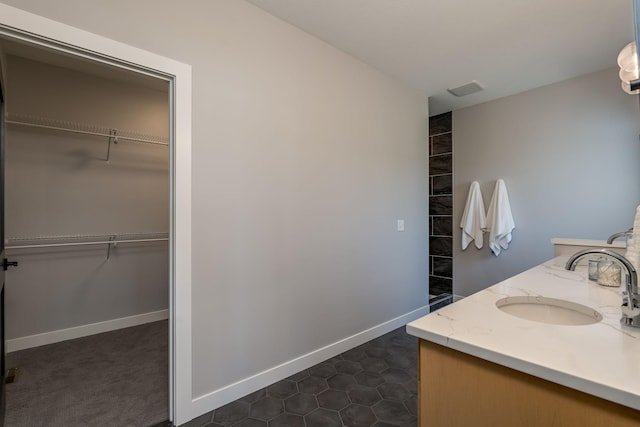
x=401, y=225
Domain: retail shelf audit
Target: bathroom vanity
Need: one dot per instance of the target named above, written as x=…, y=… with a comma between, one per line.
x=482, y=366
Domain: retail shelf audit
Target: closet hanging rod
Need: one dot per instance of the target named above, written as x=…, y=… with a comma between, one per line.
x=103, y=242
x=101, y=236
x=53, y=124
x=119, y=137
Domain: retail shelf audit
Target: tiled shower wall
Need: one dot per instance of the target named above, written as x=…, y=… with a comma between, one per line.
x=440, y=204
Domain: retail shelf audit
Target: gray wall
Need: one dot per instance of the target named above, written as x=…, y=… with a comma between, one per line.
x=569, y=156
x=303, y=160
x=59, y=184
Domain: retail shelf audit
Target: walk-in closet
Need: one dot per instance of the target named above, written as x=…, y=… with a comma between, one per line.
x=87, y=221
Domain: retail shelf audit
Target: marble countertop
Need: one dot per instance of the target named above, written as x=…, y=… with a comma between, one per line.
x=602, y=359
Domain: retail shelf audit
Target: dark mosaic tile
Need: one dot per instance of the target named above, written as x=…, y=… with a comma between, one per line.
x=374, y=364
x=443, y=266
x=442, y=225
x=301, y=403
x=412, y=405
x=348, y=367
x=250, y=422
x=231, y=413
x=334, y=359
x=381, y=342
x=376, y=352
x=199, y=421
x=441, y=164
x=369, y=379
x=396, y=376
x=267, y=408
x=358, y=415
x=442, y=184
x=282, y=389
x=440, y=123
x=383, y=424
x=412, y=385
x=442, y=302
x=298, y=376
x=342, y=382
x=392, y=412
x=441, y=205
x=333, y=399
x=313, y=385
x=441, y=246
x=441, y=144
x=437, y=298
x=440, y=285
x=398, y=360
x=364, y=395
x=323, y=370
x=400, y=341
x=323, y=418
x=212, y=425
x=355, y=354
x=256, y=395
x=287, y=420
x=393, y=392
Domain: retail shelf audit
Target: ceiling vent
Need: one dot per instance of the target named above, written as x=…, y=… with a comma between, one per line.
x=467, y=89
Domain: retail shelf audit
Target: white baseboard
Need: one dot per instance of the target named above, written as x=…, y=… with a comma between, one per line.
x=45, y=338
x=222, y=396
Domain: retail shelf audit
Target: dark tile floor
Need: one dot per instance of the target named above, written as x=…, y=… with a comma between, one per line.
x=374, y=384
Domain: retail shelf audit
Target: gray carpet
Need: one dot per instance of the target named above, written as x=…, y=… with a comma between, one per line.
x=117, y=378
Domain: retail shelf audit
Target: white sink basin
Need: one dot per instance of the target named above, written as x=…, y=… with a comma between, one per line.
x=549, y=310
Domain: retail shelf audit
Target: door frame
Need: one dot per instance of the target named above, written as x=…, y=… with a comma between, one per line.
x=3, y=342
x=25, y=27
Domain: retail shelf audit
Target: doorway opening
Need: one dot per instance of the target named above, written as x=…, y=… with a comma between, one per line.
x=64, y=41
x=60, y=55
x=87, y=218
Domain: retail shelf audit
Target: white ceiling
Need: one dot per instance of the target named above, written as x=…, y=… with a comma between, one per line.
x=507, y=45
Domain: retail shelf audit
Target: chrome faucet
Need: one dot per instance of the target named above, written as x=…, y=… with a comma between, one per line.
x=615, y=236
x=631, y=301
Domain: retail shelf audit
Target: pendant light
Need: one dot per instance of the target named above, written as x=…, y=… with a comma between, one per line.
x=628, y=59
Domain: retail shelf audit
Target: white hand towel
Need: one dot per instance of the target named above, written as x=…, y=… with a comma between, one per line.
x=473, y=218
x=499, y=219
x=633, y=242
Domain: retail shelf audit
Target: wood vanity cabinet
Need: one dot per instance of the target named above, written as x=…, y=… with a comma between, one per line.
x=459, y=390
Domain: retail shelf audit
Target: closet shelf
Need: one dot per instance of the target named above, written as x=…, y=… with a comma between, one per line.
x=111, y=240
x=113, y=134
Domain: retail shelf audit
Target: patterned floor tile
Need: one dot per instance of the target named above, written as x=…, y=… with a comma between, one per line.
x=374, y=384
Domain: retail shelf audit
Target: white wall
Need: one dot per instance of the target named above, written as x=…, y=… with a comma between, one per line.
x=303, y=159
x=568, y=154
x=60, y=184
